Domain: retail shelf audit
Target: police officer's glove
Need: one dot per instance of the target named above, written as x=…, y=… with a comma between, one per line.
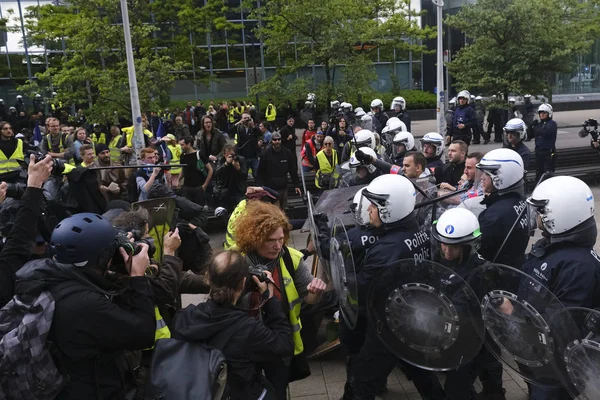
x=363, y=157
x=535, y=123
x=320, y=217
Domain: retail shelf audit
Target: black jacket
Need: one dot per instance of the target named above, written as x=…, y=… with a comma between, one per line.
x=245, y=341
x=274, y=166
x=230, y=178
x=95, y=322
x=404, y=117
x=246, y=140
x=290, y=144
x=523, y=151
x=449, y=173
x=495, y=223
x=545, y=134
x=17, y=249
x=214, y=146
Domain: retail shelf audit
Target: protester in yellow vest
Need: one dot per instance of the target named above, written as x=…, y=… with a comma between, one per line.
x=127, y=150
x=261, y=234
x=326, y=159
x=174, y=157
x=271, y=112
x=114, y=145
x=97, y=135
x=11, y=149
x=88, y=155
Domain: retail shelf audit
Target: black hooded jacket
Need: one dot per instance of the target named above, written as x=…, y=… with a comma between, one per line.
x=245, y=341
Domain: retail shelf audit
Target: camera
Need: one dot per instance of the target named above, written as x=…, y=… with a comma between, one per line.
x=589, y=127
x=259, y=271
x=122, y=241
x=58, y=166
x=15, y=190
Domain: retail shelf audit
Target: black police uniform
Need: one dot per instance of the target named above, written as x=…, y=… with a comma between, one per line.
x=375, y=362
x=567, y=265
x=545, y=146
x=523, y=151
x=404, y=117
x=495, y=223
x=463, y=115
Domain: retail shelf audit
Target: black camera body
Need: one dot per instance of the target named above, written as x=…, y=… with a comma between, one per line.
x=122, y=241
x=58, y=166
x=259, y=272
x=590, y=126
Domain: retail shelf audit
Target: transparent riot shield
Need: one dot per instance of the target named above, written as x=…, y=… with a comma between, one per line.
x=577, y=333
x=342, y=177
x=426, y=315
x=343, y=274
x=516, y=309
x=162, y=213
x=314, y=232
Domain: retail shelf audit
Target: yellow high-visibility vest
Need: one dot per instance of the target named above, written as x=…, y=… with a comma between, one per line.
x=12, y=164
x=176, y=152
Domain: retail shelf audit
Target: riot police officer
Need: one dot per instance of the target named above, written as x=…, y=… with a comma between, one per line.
x=402, y=143
x=564, y=259
x=515, y=132
x=544, y=131
x=392, y=202
x=399, y=107
x=377, y=110
x=502, y=182
x=432, y=147
x=463, y=120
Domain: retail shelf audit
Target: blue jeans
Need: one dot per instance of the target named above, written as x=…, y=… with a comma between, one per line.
x=252, y=165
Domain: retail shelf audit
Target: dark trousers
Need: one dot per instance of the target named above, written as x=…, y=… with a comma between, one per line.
x=195, y=194
x=283, y=195
x=479, y=132
x=459, y=382
x=464, y=138
x=544, y=162
x=278, y=375
x=374, y=364
x=538, y=393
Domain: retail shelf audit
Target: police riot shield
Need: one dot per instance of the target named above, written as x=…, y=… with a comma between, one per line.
x=342, y=177
x=516, y=309
x=426, y=314
x=577, y=333
x=343, y=274
x=162, y=217
x=314, y=231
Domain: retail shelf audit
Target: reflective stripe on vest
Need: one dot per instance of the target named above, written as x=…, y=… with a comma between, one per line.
x=230, y=236
x=305, y=161
x=162, y=330
x=293, y=299
x=325, y=168
x=230, y=115
x=176, y=157
x=12, y=164
x=115, y=152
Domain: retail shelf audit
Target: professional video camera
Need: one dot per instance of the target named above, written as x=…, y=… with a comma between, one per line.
x=589, y=127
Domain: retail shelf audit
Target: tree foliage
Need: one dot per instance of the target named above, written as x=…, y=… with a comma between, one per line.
x=339, y=35
x=93, y=70
x=517, y=45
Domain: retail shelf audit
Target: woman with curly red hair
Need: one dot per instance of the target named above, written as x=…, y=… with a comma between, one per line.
x=262, y=232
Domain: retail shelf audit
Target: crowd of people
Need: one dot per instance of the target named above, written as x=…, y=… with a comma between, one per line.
x=82, y=271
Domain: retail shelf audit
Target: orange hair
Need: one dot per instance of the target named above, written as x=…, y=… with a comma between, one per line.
x=258, y=221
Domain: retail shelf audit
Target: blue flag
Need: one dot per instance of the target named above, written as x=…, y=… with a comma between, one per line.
x=37, y=135
x=160, y=132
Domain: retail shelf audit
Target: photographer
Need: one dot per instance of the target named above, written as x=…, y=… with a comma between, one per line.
x=232, y=174
x=246, y=137
x=98, y=316
x=245, y=341
x=17, y=249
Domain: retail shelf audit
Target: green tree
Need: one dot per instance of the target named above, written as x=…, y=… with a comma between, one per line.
x=93, y=70
x=517, y=45
x=337, y=34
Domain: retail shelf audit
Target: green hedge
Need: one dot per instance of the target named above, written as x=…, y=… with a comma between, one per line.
x=415, y=100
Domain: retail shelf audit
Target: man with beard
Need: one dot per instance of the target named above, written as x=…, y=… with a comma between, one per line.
x=12, y=150
x=275, y=164
x=450, y=173
x=113, y=183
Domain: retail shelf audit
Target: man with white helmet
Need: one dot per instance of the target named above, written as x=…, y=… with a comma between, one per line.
x=544, y=131
x=392, y=202
x=363, y=173
x=403, y=142
x=502, y=183
x=564, y=259
x=458, y=234
x=20, y=104
x=377, y=109
x=515, y=131
x=432, y=147
x=399, y=107
x=463, y=120
x=362, y=138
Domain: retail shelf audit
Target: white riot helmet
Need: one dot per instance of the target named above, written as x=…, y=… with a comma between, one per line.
x=220, y=212
x=452, y=101
x=377, y=103
x=355, y=163
x=512, y=100
x=435, y=139
x=19, y=97
x=465, y=94
x=364, y=138
x=545, y=107
x=563, y=202
x=393, y=195
x=394, y=125
x=478, y=98
x=38, y=96
x=359, y=112
x=360, y=208
x=311, y=97
x=403, y=138
x=457, y=226
x=398, y=101
x=527, y=97
x=347, y=107
x=54, y=94
x=504, y=166
x=335, y=105
x=516, y=125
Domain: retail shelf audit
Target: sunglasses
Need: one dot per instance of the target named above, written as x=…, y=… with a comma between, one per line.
x=275, y=140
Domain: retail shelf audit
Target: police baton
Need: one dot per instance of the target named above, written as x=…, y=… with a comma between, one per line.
x=162, y=166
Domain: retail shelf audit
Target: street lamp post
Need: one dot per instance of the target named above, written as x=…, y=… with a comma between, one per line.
x=27, y=58
x=136, y=114
x=441, y=122
x=254, y=69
